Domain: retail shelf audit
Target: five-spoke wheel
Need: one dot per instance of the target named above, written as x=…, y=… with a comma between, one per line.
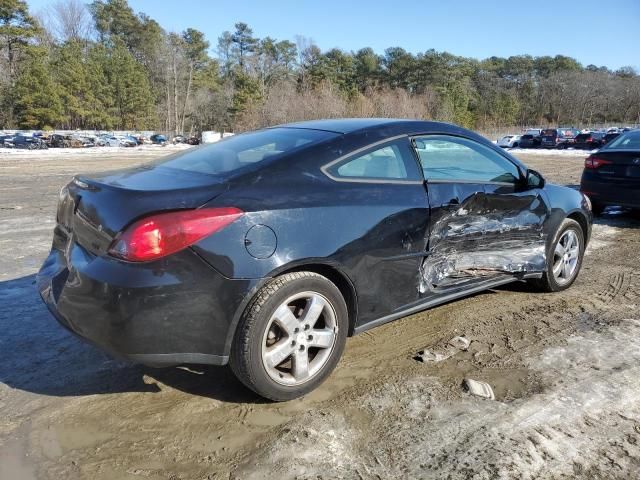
x=299, y=337
x=291, y=336
x=564, y=257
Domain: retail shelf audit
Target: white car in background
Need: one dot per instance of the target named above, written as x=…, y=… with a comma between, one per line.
x=119, y=141
x=509, y=141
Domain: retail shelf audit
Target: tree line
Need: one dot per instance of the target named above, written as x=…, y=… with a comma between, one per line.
x=104, y=66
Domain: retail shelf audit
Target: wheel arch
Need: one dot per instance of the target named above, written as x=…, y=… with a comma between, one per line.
x=332, y=272
x=335, y=276
x=582, y=220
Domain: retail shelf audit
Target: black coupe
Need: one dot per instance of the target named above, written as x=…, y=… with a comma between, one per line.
x=267, y=249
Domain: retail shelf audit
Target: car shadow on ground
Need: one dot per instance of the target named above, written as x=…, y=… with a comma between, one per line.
x=38, y=355
x=618, y=217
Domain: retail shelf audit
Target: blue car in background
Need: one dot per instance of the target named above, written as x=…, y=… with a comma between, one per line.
x=158, y=139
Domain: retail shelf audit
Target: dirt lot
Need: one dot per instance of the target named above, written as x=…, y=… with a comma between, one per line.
x=565, y=369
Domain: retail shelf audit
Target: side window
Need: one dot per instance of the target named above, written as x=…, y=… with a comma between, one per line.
x=453, y=159
x=391, y=162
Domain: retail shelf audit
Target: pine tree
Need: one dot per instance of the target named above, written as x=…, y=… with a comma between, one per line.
x=17, y=29
x=133, y=99
x=37, y=102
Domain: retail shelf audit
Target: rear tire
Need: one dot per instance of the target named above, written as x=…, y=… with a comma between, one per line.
x=563, y=260
x=291, y=336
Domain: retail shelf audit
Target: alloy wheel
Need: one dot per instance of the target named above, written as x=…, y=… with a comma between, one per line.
x=299, y=338
x=565, y=257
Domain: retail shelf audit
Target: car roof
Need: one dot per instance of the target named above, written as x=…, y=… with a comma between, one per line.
x=350, y=125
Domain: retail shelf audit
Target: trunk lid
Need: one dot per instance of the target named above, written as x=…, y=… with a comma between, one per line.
x=625, y=165
x=93, y=209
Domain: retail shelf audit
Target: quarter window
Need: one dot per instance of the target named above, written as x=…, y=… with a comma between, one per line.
x=455, y=159
x=391, y=162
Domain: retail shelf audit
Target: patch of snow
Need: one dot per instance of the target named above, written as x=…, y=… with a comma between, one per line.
x=76, y=152
x=601, y=236
x=551, y=152
x=585, y=423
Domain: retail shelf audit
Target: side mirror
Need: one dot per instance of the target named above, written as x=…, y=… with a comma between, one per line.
x=534, y=179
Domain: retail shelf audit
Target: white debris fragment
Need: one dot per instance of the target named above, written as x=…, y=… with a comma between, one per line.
x=426, y=356
x=460, y=343
x=480, y=389
x=455, y=345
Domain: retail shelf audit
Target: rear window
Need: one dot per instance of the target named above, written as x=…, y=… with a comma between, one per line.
x=548, y=133
x=626, y=141
x=567, y=132
x=239, y=151
x=583, y=136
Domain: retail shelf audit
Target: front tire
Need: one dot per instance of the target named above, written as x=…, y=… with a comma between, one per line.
x=291, y=336
x=564, y=258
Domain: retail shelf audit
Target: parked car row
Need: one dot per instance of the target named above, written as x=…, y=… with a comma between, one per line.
x=561, y=138
x=39, y=140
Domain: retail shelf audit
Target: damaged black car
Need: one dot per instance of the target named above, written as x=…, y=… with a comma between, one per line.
x=266, y=250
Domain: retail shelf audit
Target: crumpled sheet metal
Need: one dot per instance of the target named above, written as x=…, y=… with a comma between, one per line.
x=464, y=245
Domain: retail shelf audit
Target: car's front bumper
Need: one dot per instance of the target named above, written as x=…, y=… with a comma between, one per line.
x=176, y=310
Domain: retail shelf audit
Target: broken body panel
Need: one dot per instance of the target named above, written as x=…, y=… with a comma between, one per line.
x=480, y=231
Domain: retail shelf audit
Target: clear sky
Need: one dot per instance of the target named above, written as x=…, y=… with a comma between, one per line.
x=593, y=31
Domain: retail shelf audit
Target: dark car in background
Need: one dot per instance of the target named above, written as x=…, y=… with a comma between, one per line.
x=158, y=139
x=529, y=141
x=589, y=141
x=611, y=176
x=609, y=136
x=25, y=141
x=558, y=137
x=267, y=249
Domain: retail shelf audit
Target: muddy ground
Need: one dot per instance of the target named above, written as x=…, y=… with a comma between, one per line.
x=565, y=369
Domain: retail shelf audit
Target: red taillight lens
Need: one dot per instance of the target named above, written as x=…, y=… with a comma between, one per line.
x=166, y=233
x=594, y=162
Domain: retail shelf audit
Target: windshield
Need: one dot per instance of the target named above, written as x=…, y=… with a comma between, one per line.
x=627, y=141
x=239, y=151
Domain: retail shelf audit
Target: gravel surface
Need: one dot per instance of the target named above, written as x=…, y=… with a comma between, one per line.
x=564, y=369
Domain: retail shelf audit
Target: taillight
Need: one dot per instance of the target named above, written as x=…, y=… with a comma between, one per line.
x=594, y=162
x=162, y=234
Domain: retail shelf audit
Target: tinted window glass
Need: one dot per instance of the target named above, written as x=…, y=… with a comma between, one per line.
x=240, y=151
x=393, y=161
x=626, y=141
x=460, y=159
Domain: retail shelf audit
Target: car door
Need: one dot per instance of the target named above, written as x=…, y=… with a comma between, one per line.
x=485, y=223
x=381, y=187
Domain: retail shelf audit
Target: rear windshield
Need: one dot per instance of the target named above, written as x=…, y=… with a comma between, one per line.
x=567, y=132
x=548, y=133
x=583, y=136
x=626, y=141
x=239, y=151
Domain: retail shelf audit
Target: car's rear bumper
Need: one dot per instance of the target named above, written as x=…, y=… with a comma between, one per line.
x=624, y=194
x=178, y=310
